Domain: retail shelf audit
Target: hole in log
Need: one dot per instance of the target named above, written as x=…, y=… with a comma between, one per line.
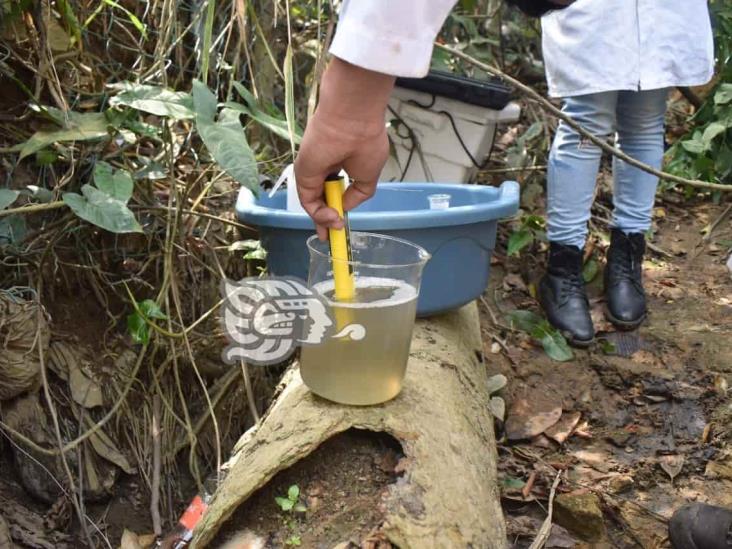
x=342, y=484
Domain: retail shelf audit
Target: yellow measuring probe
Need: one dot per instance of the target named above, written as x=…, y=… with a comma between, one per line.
x=340, y=247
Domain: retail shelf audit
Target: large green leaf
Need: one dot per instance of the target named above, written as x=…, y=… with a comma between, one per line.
x=224, y=138
x=284, y=503
x=538, y=328
x=712, y=131
x=553, y=342
x=117, y=184
x=7, y=197
x=154, y=100
x=78, y=127
x=268, y=116
x=525, y=321
x=723, y=162
x=102, y=210
x=519, y=240
x=204, y=102
x=137, y=322
x=693, y=146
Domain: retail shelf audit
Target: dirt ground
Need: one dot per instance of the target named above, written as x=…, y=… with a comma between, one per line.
x=654, y=429
x=341, y=485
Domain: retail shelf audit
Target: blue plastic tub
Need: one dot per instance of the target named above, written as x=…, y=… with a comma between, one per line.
x=461, y=239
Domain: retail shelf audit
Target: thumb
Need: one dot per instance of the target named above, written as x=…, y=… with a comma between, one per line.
x=358, y=192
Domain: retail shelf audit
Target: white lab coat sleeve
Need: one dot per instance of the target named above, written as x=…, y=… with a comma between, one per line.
x=390, y=36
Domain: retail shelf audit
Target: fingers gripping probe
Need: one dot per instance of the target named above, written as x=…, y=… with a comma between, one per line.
x=340, y=250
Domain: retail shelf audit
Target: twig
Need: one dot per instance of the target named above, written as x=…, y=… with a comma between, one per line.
x=494, y=320
x=546, y=527
x=547, y=105
x=717, y=222
x=226, y=382
x=35, y=208
x=526, y=490
x=250, y=393
x=515, y=170
x=191, y=357
x=533, y=457
x=155, y=488
x=75, y=497
x=690, y=96
x=699, y=246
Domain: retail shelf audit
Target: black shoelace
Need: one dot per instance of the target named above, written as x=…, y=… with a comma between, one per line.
x=572, y=285
x=625, y=267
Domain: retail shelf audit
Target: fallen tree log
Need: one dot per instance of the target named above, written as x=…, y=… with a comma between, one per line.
x=448, y=496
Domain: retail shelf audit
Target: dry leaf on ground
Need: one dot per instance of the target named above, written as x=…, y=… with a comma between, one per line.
x=531, y=414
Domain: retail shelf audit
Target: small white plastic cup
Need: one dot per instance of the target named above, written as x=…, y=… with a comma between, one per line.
x=439, y=201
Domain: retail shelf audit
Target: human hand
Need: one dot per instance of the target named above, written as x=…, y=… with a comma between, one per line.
x=347, y=132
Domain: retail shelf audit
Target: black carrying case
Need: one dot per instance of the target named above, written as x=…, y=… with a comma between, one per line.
x=491, y=94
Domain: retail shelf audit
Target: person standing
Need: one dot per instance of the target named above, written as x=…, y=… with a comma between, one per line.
x=612, y=63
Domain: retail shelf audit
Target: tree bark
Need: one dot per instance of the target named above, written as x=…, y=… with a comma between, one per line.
x=448, y=496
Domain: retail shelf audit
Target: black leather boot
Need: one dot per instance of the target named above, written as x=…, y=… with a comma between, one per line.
x=701, y=526
x=626, y=300
x=562, y=295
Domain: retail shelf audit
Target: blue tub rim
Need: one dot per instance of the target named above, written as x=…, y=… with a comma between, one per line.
x=503, y=204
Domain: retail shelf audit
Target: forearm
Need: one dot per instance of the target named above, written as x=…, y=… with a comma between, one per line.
x=354, y=96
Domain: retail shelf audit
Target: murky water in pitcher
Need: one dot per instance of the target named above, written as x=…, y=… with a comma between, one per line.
x=370, y=370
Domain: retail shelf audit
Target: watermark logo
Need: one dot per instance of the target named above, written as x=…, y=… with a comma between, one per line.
x=265, y=319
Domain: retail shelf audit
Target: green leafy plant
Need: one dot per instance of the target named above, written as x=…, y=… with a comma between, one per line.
x=606, y=346
x=224, y=137
x=253, y=248
x=138, y=323
x=706, y=151
x=554, y=344
x=131, y=16
x=267, y=116
x=153, y=99
x=532, y=228
x=74, y=126
x=105, y=203
x=291, y=503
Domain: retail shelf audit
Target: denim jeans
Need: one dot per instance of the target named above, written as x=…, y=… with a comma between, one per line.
x=636, y=118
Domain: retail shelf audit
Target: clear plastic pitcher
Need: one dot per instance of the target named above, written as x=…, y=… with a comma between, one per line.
x=363, y=358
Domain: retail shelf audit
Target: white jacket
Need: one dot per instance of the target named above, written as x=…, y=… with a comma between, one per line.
x=601, y=45
x=591, y=46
